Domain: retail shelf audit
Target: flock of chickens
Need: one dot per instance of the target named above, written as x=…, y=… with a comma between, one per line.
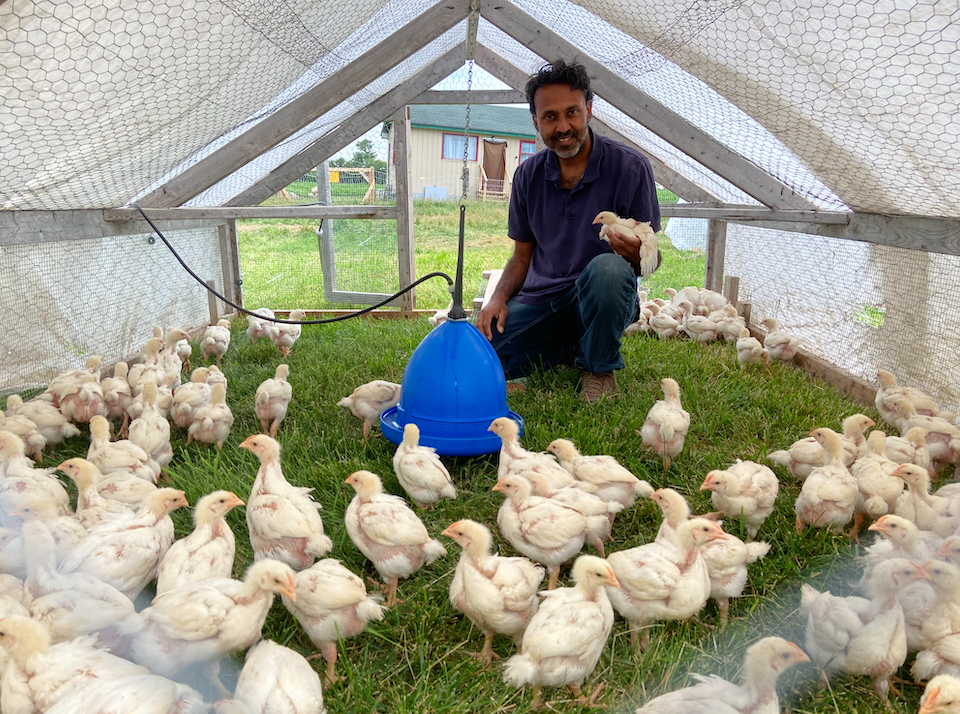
x=72, y=641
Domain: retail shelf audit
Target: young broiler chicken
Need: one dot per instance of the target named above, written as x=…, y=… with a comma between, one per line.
x=565, y=638
x=937, y=640
x=542, y=529
x=133, y=694
x=750, y=351
x=69, y=604
x=123, y=455
x=66, y=530
x=258, y=327
x=151, y=430
x=929, y=511
x=497, y=594
x=779, y=345
x=189, y=397
x=53, y=425
x=33, y=439
x=275, y=680
x=746, y=490
x=941, y=696
x=911, y=448
x=117, y=396
x=285, y=335
x=667, y=423
x=514, y=459
x=829, y=494
x=420, y=471
x=197, y=624
x=807, y=453
x=613, y=482
x=727, y=560
x=126, y=551
x=332, y=604
x=387, y=532
x=215, y=341
x=661, y=581
x=675, y=511
x=78, y=394
x=208, y=551
x=857, y=635
x=283, y=520
x=370, y=400
x=631, y=228
x=943, y=437
x=697, y=327
x=39, y=674
x=665, y=325
x=879, y=488
x=763, y=663
x=890, y=392
x=595, y=510
x=272, y=399
x=212, y=422
x=19, y=480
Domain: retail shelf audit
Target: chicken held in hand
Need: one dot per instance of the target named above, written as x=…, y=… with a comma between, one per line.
x=498, y=594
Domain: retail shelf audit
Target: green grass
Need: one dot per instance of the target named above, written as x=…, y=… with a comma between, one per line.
x=280, y=259
x=416, y=660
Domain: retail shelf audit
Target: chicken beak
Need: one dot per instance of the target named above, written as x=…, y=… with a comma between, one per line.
x=705, y=486
x=237, y=501
x=880, y=526
x=245, y=444
x=612, y=579
x=498, y=487
x=800, y=656
x=930, y=705
x=921, y=573
x=60, y=467
x=290, y=589
x=448, y=530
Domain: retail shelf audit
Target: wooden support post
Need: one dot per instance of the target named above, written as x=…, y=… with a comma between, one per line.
x=325, y=234
x=405, y=238
x=212, y=302
x=716, y=250
x=230, y=261
x=731, y=290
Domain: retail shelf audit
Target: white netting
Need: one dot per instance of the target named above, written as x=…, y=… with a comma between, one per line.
x=71, y=299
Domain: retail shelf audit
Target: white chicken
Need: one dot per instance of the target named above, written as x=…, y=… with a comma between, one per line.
x=661, y=581
x=215, y=341
x=92, y=508
x=675, y=511
x=879, y=488
x=151, y=430
x=665, y=325
x=33, y=438
x=929, y=511
x=727, y=560
x=284, y=335
x=387, y=532
x=890, y=392
x=126, y=552
x=614, y=483
x=750, y=351
x=258, y=327
x=272, y=400
x=779, y=345
x=746, y=490
x=763, y=663
x=189, y=397
x=19, y=480
x=38, y=674
x=667, y=423
x=69, y=604
x=332, y=604
x=542, y=529
x=53, y=425
x=697, y=327
x=133, y=694
x=631, y=229
x=283, y=520
x=370, y=400
x=212, y=422
x=117, y=395
x=66, y=531
x=199, y=623
x=829, y=494
x=78, y=394
x=420, y=471
x=911, y=448
x=943, y=437
x=277, y=680
x=857, y=635
x=514, y=459
x=941, y=696
x=123, y=455
x=565, y=638
x=938, y=639
x=208, y=551
x=497, y=594
x=804, y=454
x=595, y=510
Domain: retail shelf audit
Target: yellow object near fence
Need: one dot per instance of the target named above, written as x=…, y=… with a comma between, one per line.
x=334, y=177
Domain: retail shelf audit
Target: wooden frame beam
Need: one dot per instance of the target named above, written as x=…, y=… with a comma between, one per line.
x=477, y=96
x=226, y=213
x=662, y=121
x=315, y=102
x=368, y=117
x=732, y=212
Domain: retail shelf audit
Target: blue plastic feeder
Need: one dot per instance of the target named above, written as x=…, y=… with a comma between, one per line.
x=452, y=388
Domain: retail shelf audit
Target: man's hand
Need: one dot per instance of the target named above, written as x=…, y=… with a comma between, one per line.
x=495, y=310
x=624, y=243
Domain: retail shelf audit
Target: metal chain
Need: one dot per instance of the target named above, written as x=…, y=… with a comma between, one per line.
x=465, y=180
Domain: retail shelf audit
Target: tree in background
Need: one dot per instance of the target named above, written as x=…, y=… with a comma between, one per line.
x=363, y=156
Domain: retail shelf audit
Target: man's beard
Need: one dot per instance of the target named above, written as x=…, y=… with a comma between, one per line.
x=573, y=149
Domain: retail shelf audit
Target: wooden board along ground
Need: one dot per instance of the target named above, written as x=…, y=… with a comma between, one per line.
x=417, y=659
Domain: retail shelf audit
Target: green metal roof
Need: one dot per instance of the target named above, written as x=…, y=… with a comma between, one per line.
x=484, y=119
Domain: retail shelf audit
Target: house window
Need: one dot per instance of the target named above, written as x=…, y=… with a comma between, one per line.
x=453, y=147
x=527, y=149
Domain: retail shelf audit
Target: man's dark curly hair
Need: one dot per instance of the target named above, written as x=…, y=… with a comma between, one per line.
x=559, y=72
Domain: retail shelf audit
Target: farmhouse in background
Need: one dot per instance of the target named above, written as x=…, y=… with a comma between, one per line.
x=501, y=137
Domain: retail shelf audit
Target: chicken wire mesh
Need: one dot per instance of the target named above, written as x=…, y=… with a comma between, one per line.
x=73, y=299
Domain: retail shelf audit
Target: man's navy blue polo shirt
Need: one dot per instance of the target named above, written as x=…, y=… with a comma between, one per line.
x=560, y=221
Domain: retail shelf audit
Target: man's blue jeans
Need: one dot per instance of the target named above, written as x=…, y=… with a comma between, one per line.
x=592, y=314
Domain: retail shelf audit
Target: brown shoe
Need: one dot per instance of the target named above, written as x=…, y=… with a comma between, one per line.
x=594, y=386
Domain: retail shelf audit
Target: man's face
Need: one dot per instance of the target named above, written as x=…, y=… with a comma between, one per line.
x=561, y=118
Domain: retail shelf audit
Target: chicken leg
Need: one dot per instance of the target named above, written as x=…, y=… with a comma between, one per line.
x=591, y=701
x=212, y=672
x=329, y=653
